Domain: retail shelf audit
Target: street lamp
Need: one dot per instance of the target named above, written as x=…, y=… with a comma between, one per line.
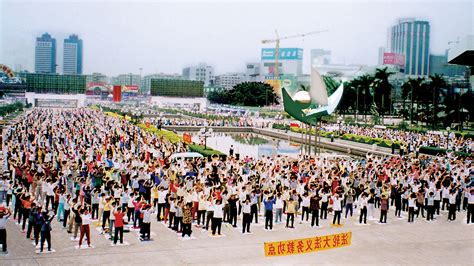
x=205, y=132
x=447, y=138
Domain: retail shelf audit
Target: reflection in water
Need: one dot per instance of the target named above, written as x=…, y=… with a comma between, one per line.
x=253, y=145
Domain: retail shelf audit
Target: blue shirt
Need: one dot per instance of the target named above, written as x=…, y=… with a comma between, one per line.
x=269, y=204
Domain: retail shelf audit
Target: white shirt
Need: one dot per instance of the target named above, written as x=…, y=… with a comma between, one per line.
x=218, y=212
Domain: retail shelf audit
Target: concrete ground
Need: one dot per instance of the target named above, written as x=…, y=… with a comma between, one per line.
x=438, y=242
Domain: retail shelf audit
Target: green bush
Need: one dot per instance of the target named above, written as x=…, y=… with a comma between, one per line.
x=169, y=135
x=436, y=151
x=205, y=152
x=11, y=108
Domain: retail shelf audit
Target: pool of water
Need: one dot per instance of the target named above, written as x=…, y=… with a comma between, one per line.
x=255, y=145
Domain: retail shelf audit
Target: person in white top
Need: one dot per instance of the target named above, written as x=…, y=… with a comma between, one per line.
x=337, y=208
x=363, y=208
x=470, y=206
x=85, y=226
x=217, y=218
x=246, y=217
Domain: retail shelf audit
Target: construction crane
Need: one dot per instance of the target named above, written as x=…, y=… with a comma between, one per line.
x=277, y=46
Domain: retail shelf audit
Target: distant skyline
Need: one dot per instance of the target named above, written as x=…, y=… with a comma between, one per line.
x=121, y=37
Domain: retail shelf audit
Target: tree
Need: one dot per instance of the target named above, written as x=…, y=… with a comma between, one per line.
x=437, y=82
x=331, y=84
x=246, y=94
x=383, y=89
x=362, y=86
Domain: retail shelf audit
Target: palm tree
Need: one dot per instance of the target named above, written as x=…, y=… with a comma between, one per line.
x=437, y=82
x=383, y=88
x=413, y=88
x=364, y=84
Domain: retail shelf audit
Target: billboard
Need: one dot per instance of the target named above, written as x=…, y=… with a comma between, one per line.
x=394, y=59
x=129, y=91
x=98, y=89
x=285, y=54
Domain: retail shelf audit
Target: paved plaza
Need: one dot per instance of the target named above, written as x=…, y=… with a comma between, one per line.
x=438, y=242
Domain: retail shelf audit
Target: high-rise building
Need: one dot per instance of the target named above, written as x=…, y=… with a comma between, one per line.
x=320, y=57
x=252, y=71
x=72, y=60
x=201, y=72
x=229, y=80
x=411, y=38
x=439, y=65
x=45, y=54
x=97, y=77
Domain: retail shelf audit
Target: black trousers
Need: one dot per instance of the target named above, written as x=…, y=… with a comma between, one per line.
x=363, y=214
x=452, y=212
x=30, y=228
x=324, y=210
x=337, y=215
x=246, y=222
x=171, y=219
x=95, y=211
x=216, y=225
x=305, y=210
x=36, y=233
x=315, y=217
x=430, y=212
x=254, y=212
x=186, y=230
x=437, y=204
x=178, y=223
x=66, y=215
x=383, y=216
x=411, y=214
x=269, y=219
x=45, y=236
x=290, y=216
x=201, y=217
x=105, y=218
x=233, y=216
x=470, y=213
x=209, y=216
x=161, y=206
x=118, y=232
x=3, y=239
x=146, y=230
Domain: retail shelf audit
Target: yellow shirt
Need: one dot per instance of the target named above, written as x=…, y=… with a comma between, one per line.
x=154, y=192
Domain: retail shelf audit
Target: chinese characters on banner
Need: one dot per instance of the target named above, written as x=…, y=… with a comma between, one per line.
x=187, y=138
x=306, y=245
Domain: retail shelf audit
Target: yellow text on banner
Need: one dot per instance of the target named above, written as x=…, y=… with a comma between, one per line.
x=306, y=245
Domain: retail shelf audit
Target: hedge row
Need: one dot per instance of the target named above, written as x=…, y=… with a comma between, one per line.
x=205, y=152
x=368, y=140
x=169, y=135
x=436, y=151
x=11, y=108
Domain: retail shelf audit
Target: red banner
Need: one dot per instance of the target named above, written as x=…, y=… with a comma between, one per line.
x=117, y=93
x=187, y=138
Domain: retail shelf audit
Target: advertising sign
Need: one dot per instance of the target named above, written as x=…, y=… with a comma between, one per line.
x=285, y=54
x=98, y=89
x=394, y=59
x=306, y=245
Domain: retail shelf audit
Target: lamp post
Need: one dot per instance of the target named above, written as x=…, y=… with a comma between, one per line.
x=447, y=138
x=205, y=132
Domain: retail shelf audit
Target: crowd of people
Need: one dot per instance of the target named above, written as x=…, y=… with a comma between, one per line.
x=411, y=139
x=84, y=168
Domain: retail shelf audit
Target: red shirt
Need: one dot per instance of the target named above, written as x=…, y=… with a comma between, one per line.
x=119, y=219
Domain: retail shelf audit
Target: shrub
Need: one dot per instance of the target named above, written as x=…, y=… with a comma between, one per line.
x=205, y=152
x=436, y=151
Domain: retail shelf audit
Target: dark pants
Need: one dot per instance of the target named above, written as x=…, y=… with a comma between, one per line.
x=349, y=208
x=171, y=219
x=105, y=218
x=246, y=223
x=363, y=214
x=470, y=213
x=95, y=211
x=130, y=212
x=337, y=215
x=269, y=219
x=201, y=216
x=45, y=236
x=36, y=233
x=233, y=216
x=49, y=199
x=3, y=239
x=305, y=210
x=411, y=214
x=254, y=212
x=216, y=225
x=178, y=225
x=136, y=218
x=383, y=216
x=324, y=210
x=430, y=212
x=290, y=216
x=315, y=217
x=161, y=206
x=66, y=215
x=437, y=204
x=146, y=230
x=31, y=224
x=445, y=203
x=26, y=212
x=186, y=230
x=118, y=232
x=209, y=216
x=452, y=212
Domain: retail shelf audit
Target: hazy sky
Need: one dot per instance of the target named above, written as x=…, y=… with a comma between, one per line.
x=123, y=36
